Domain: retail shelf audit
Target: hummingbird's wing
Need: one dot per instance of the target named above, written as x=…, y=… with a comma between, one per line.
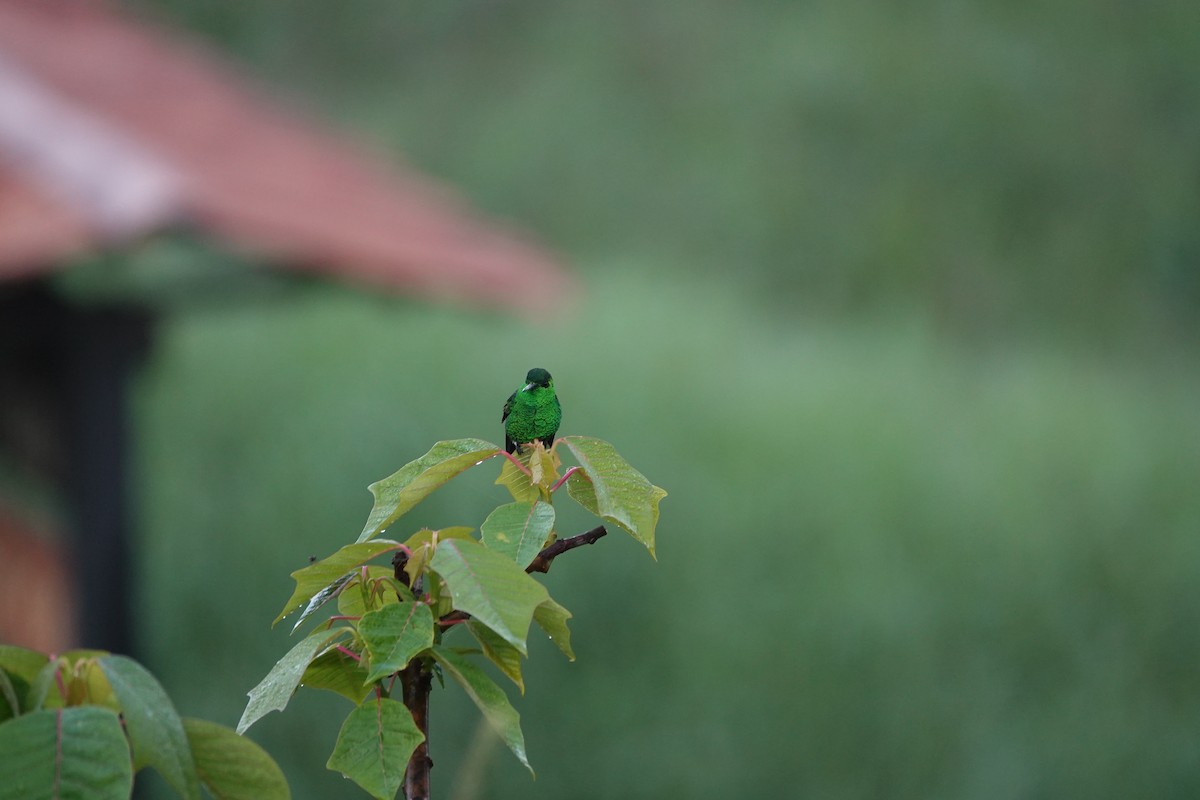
x=509, y=444
x=508, y=406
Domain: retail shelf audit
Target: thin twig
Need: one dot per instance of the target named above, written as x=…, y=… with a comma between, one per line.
x=542, y=561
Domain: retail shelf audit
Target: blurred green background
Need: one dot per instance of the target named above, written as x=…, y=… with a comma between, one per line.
x=898, y=302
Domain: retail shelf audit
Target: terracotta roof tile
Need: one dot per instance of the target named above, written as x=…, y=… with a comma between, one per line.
x=197, y=142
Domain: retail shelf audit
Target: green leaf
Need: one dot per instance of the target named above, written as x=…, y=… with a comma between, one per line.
x=317, y=582
x=394, y=634
x=277, y=688
x=22, y=667
x=232, y=767
x=489, y=697
x=154, y=727
x=611, y=489
x=334, y=671
x=39, y=689
x=76, y=752
x=552, y=618
x=489, y=587
x=518, y=530
x=322, y=597
x=396, y=494
x=10, y=705
x=506, y=657
x=374, y=746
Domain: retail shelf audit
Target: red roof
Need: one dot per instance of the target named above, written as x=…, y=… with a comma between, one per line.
x=111, y=128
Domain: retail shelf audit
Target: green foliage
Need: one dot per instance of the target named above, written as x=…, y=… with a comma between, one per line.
x=78, y=752
x=506, y=657
x=156, y=736
x=998, y=542
x=230, y=766
x=393, y=635
x=412, y=483
x=316, y=583
x=441, y=578
x=338, y=672
x=552, y=618
x=489, y=697
x=84, y=723
x=842, y=155
x=8, y=693
x=277, y=688
x=20, y=668
x=974, y=560
x=490, y=587
x=518, y=530
x=374, y=745
x=608, y=487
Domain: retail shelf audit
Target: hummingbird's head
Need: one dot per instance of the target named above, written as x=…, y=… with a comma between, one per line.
x=537, y=378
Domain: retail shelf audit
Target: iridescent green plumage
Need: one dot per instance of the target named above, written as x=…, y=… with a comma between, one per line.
x=532, y=412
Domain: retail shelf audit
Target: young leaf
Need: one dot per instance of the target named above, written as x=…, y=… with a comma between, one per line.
x=319, y=580
x=518, y=530
x=422, y=544
x=393, y=635
x=96, y=687
x=518, y=483
x=396, y=494
x=337, y=672
x=350, y=602
x=489, y=587
x=489, y=697
x=611, y=489
x=506, y=657
x=68, y=752
x=232, y=767
x=374, y=746
x=276, y=689
x=543, y=466
x=78, y=677
x=552, y=618
x=155, y=729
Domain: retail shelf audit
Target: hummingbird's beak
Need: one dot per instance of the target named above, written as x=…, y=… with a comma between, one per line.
x=528, y=386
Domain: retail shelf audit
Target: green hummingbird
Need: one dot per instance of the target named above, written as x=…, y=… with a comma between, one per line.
x=532, y=412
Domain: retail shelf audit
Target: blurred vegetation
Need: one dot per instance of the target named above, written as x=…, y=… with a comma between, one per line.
x=888, y=566
x=997, y=165
x=897, y=302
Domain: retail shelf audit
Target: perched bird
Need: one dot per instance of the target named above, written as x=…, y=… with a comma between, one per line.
x=532, y=412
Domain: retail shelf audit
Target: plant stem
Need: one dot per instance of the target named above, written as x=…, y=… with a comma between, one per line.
x=416, y=681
